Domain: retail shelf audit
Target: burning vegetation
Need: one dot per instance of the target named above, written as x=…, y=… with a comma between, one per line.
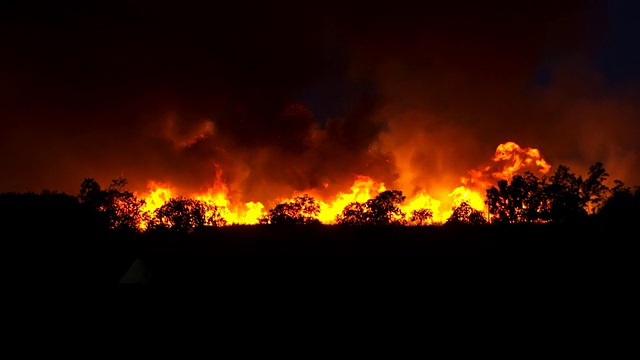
x=516, y=187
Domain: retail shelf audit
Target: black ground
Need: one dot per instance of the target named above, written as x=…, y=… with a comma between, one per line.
x=509, y=292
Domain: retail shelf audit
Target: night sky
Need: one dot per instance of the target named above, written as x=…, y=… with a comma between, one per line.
x=275, y=97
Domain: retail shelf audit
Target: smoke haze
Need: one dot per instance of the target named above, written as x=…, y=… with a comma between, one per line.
x=275, y=98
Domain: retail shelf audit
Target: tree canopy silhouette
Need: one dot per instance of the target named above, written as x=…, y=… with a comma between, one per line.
x=381, y=210
x=421, y=217
x=594, y=192
x=563, y=197
x=522, y=200
x=301, y=210
x=184, y=215
x=118, y=208
x=622, y=207
x=465, y=214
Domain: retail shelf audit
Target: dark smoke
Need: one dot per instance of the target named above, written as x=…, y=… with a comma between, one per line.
x=280, y=97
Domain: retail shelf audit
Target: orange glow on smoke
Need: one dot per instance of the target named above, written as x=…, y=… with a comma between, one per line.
x=519, y=158
x=508, y=160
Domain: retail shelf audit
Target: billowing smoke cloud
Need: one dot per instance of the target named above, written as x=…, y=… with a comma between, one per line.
x=280, y=97
x=457, y=85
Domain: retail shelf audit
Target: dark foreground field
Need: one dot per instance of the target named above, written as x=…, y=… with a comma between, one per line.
x=525, y=291
x=322, y=256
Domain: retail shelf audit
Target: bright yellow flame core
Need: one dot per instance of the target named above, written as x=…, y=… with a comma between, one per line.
x=364, y=188
x=422, y=200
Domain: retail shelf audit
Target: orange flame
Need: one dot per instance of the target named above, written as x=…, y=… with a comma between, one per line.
x=159, y=194
x=508, y=159
x=422, y=200
x=363, y=189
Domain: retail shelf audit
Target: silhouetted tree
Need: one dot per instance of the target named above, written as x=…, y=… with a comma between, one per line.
x=564, y=196
x=535, y=202
x=620, y=187
x=301, y=210
x=499, y=203
x=119, y=208
x=521, y=200
x=91, y=194
x=353, y=214
x=465, y=214
x=421, y=217
x=593, y=191
x=125, y=208
x=384, y=207
x=381, y=210
x=184, y=215
x=622, y=207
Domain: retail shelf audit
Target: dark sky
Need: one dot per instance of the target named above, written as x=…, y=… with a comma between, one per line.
x=280, y=96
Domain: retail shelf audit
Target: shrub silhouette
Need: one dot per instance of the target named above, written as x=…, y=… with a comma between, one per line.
x=184, y=215
x=381, y=210
x=465, y=214
x=301, y=210
x=421, y=217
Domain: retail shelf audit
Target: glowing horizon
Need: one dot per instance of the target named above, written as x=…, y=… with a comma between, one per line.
x=509, y=159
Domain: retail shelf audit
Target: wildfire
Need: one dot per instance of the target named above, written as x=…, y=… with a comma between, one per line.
x=509, y=158
x=363, y=189
x=422, y=200
x=518, y=158
x=159, y=194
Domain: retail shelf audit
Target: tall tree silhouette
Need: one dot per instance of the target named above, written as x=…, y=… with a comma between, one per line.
x=118, y=207
x=593, y=191
x=521, y=200
x=565, y=199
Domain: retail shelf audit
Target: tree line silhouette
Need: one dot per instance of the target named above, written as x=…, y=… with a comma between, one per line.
x=562, y=197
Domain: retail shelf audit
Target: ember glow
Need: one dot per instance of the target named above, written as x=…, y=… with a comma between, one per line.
x=509, y=159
